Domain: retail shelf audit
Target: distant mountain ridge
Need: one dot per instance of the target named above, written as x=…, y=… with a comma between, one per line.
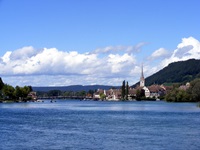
x=177, y=72
x=74, y=88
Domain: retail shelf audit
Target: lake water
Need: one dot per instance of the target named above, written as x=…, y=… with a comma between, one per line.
x=89, y=125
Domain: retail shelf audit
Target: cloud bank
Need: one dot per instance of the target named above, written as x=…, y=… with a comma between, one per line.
x=50, y=66
x=28, y=61
x=108, y=66
x=189, y=48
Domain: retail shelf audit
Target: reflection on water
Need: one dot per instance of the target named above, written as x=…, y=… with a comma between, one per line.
x=73, y=124
x=107, y=106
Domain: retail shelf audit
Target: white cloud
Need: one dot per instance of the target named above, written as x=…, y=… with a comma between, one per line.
x=47, y=61
x=63, y=67
x=6, y=57
x=161, y=52
x=23, y=53
x=189, y=48
x=118, y=63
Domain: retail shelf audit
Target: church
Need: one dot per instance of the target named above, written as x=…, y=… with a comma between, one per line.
x=142, y=84
x=153, y=91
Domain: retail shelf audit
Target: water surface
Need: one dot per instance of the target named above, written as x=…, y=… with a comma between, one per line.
x=72, y=124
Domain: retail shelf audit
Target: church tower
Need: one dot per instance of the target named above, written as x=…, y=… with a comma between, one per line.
x=142, y=80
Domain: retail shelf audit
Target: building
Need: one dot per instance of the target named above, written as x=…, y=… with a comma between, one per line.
x=113, y=94
x=156, y=91
x=185, y=87
x=32, y=95
x=153, y=91
x=142, y=84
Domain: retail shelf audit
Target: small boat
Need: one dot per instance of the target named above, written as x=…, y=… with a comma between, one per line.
x=39, y=100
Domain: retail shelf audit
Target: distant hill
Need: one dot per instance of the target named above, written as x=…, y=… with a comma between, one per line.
x=74, y=88
x=177, y=72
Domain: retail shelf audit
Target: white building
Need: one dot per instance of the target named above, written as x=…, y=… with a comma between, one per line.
x=142, y=84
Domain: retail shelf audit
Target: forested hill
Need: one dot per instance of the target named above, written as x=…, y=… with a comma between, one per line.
x=177, y=72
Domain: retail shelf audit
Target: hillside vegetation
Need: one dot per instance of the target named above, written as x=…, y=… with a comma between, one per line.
x=177, y=72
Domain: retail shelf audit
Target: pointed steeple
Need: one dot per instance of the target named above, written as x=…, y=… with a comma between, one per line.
x=142, y=74
x=142, y=80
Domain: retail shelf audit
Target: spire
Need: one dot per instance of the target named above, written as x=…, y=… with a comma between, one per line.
x=142, y=80
x=142, y=74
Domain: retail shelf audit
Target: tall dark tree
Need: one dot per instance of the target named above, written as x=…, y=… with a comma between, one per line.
x=1, y=84
x=123, y=90
x=127, y=90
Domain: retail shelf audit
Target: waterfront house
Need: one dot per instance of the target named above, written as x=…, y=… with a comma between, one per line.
x=113, y=94
x=33, y=95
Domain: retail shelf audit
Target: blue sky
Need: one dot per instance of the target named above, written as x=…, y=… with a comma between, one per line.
x=94, y=42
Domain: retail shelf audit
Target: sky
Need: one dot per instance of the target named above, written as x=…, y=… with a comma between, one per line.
x=88, y=42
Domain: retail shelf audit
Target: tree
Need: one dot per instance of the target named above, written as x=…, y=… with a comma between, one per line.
x=182, y=96
x=177, y=95
x=195, y=90
x=18, y=93
x=123, y=90
x=127, y=90
x=54, y=93
x=82, y=93
x=8, y=92
x=91, y=92
x=102, y=96
x=30, y=88
x=140, y=93
x=25, y=91
x=11, y=93
x=1, y=84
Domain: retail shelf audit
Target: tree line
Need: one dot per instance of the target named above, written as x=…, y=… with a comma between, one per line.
x=8, y=92
x=192, y=94
x=56, y=93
